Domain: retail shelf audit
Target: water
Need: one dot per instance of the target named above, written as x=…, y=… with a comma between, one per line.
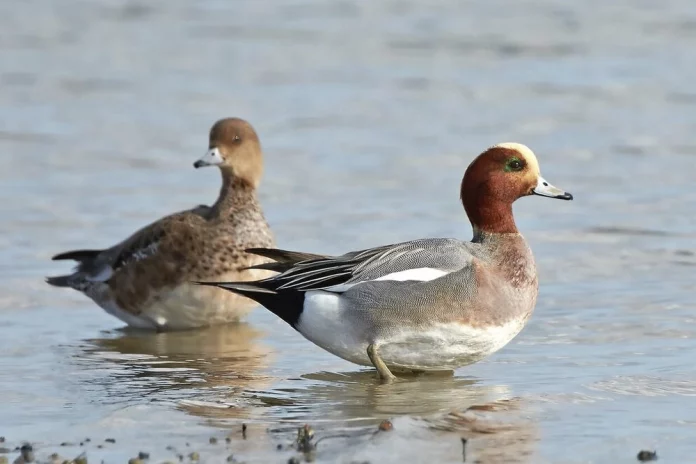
x=369, y=112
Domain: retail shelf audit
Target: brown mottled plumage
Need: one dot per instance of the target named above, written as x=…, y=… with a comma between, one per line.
x=146, y=279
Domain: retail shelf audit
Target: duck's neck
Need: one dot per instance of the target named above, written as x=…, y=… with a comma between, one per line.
x=235, y=194
x=490, y=216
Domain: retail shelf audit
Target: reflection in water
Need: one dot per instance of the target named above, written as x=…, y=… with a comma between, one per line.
x=355, y=397
x=359, y=395
x=217, y=376
x=494, y=432
x=430, y=414
x=191, y=365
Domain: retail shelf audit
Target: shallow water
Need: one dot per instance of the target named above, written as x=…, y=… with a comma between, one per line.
x=369, y=113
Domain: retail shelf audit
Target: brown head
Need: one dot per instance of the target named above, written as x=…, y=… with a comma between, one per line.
x=235, y=148
x=498, y=177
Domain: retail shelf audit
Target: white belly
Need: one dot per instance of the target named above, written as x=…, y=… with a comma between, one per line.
x=186, y=306
x=446, y=346
x=190, y=305
x=436, y=347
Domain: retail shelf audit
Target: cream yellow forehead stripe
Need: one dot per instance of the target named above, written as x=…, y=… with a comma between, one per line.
x=524, y=151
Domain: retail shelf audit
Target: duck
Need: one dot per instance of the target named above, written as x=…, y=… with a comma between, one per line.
x=146, y=280
x=432, y=304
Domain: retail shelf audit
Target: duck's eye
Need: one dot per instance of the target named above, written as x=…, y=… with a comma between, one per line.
x=236, y=138
x=515, y=165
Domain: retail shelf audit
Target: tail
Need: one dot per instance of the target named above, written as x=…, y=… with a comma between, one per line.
x=284, y=259
x=84, y=259
x=59, y=281
x=286, y=304
x=77, y=255
x=283, y=256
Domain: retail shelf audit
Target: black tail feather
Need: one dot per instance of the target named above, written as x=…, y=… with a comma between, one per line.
x=77, y=255
x=275, y=267
x=283, y=256
x=286, y=304
x=59, y=281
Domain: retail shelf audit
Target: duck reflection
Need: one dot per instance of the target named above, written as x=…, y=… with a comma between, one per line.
x=430, y=415
x=220, y=376
x=500, y=431
x=359, y=397
x=177, y=366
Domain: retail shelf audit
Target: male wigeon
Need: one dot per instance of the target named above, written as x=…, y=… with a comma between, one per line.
x=427, y=304
x=146, y=280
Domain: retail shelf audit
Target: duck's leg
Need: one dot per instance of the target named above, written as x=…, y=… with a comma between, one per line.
x=382, y=369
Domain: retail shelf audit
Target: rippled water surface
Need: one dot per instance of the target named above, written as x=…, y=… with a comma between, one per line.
x=369, y=112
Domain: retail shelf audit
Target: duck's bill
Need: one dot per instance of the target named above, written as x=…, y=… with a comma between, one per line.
x=544, y=189
x=211, y=158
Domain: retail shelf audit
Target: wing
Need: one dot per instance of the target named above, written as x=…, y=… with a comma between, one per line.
x=417, y=260
x=141, y=245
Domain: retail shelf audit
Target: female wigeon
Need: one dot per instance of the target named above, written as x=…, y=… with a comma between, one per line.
x=146, y=280
x=428, y=304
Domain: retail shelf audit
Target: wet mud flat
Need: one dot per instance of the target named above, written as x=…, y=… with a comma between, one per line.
x=479, y=434
x=486, y=433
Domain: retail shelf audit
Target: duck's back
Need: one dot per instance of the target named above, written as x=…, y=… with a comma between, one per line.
x=146, y=280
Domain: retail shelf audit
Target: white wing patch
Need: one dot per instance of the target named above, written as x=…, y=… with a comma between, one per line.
x=421, y=274
x=103, y=275
x=143, y=253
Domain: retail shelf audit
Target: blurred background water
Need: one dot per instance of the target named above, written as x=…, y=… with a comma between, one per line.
x=369, y=113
